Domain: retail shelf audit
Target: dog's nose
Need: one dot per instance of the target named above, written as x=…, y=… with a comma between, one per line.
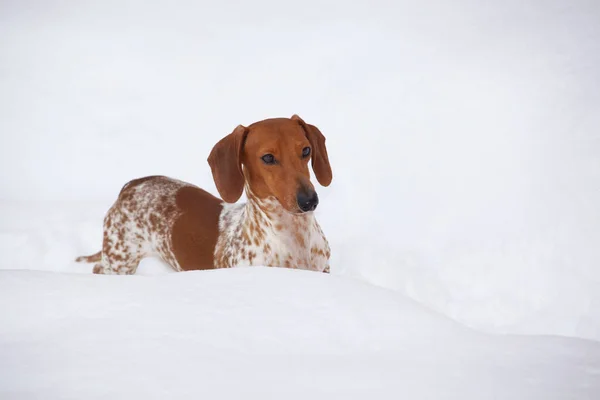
x=307, y=201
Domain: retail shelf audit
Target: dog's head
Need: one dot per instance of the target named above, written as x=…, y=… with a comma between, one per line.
x=272, y=156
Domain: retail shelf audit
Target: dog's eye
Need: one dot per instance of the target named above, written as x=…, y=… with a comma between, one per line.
x=268, y=159
x=306, y=152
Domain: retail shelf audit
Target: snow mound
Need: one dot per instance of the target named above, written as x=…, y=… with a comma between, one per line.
x=262, y=333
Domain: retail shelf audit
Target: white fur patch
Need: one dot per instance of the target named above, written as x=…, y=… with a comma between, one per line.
x=262, y=232
x=139, y=225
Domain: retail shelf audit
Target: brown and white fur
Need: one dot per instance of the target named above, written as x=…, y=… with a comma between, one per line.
x=191, y=229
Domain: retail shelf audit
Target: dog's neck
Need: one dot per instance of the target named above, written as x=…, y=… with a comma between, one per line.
x=269, y=213
x=262, y=232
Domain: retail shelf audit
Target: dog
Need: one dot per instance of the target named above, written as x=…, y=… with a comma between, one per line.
x=190, y=229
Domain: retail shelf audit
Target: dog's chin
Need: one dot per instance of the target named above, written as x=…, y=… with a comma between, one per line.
x=295, y=210
x=298, y=212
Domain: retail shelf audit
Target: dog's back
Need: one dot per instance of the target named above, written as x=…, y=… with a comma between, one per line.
x=157, y=215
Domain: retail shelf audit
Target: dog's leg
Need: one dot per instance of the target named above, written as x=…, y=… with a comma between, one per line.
x=122, y=246
x=126, y=266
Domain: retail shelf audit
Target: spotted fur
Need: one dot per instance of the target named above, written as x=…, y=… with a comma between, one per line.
x=139, y=225
x=258, y=232
x=261, y=232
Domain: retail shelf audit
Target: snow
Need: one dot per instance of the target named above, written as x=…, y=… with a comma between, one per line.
x=465, y=150
x=263, y=333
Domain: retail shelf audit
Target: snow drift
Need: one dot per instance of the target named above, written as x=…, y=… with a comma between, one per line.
x=262, y=333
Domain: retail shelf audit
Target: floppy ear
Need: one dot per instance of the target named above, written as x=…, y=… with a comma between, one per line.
x=225, y=164
x=319, y=158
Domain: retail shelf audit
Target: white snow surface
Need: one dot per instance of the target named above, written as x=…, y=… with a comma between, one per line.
x=256, y=333
x=463, y=216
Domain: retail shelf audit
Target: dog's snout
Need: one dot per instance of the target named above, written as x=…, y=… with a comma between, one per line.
x=307, y=200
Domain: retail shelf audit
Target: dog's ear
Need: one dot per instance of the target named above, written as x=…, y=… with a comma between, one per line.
x=226, y=166
x=319, y=157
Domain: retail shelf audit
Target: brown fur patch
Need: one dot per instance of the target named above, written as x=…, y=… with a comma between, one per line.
x=195, y=232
